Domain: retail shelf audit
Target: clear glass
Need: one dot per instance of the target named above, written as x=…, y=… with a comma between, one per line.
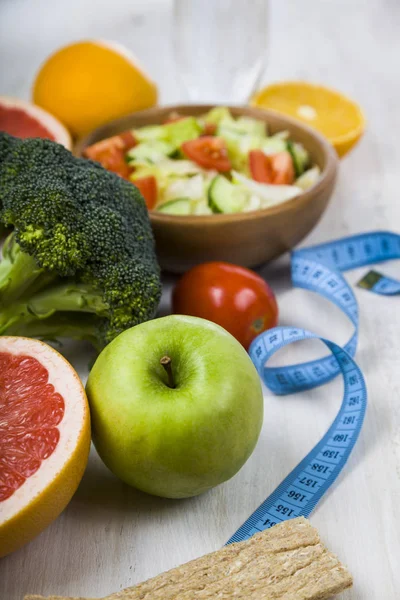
x=220, y=48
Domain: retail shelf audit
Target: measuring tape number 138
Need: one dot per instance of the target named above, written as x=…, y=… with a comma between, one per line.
x=319, y=269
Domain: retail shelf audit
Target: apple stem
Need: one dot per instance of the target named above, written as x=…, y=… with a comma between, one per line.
x=166, y=361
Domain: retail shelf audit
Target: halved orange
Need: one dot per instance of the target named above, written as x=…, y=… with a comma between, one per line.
x=44, y=438
x=88, y=83
x=336, y=116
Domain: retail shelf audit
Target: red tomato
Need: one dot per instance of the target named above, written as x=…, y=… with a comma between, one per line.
x=128, y=140
x=282, y=167
x=110, y=153
x=234, y=297
x=276, y=168
x=210, y=129
x=209, y=152
x=260, y=166
x=147, y=186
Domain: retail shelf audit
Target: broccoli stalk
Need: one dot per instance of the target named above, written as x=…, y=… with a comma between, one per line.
x=29, y=296
x=80, y=261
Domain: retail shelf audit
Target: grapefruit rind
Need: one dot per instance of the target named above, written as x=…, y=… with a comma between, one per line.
x=45, y=494
x=53, y=125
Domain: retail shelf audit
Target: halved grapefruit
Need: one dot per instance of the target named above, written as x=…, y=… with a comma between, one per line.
x=24, y=119
x=44, y=438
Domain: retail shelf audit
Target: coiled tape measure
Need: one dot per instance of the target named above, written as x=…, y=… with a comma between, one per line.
x=319, y=269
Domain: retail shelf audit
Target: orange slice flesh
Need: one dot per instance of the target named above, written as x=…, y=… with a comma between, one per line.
x=337, y=117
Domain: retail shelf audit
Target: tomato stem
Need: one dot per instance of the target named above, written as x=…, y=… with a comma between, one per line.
x=166, y=362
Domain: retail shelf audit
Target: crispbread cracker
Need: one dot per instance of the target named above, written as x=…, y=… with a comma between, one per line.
x=286, y=562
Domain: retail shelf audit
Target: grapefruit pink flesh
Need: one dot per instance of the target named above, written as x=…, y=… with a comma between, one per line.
x=24, y=119
x=16, y=122
x=30, y=410
x=44, y=438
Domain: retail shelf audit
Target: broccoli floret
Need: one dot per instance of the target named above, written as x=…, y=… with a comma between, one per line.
x=80, y=261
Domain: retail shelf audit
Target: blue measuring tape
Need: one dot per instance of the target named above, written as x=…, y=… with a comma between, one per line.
x=319, y=269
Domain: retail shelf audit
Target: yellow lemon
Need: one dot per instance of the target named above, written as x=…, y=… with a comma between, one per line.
x=337, y=117
x=88, y=83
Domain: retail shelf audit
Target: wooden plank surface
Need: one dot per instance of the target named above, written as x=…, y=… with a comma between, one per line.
x=111, y=536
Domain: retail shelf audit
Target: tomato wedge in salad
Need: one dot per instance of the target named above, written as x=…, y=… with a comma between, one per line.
x=276, y=169
x=147, y=186
x=209, y=152
x=282, y=168
x=110, y=153
x=209, y=129
x=260, y=167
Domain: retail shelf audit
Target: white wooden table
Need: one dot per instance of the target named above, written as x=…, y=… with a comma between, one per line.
x=111, y=536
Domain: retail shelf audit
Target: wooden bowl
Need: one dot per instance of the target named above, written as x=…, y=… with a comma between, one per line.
x=247, y=239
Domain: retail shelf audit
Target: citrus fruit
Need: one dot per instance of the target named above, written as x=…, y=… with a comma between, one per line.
x=24, y=119
x=44, y=438
x=337, y=117
x=88, y=83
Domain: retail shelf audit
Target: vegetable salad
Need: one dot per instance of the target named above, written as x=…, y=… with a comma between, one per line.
x=209, y=164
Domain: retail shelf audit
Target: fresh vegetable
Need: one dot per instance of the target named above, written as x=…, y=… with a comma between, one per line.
x=309, y=178
x=260, y=166
x=110, y=153
x=224, y=197
x=179, y=206
x=80, y=261
x=273, y=144
x=209, y=129
x=282, y=168
x=176, y=406
x=299, y=156
x=182, y=131
x=269, y=194
x=276, y=169
x=149, y=152
x=147, y=186
x=234, y=297
x=217, y=115
x=185, y=155
x=209, y=152
x=175, y=133
x=44, y=438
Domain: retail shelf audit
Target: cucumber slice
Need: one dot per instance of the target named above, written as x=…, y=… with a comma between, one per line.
x=152, y=151
x=300, y=157
x=201, y=207
x=178, y=206
x=224, y=197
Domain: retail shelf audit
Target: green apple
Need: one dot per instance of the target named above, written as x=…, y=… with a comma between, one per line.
x=176, y=406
